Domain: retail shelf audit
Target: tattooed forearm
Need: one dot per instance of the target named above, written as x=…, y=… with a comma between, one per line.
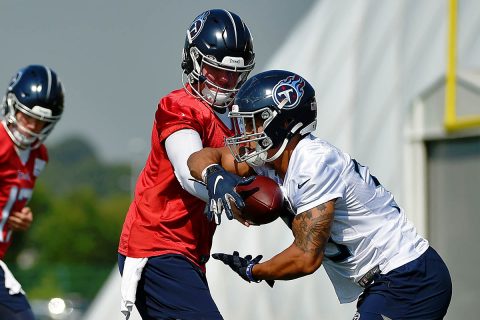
x=312, y=228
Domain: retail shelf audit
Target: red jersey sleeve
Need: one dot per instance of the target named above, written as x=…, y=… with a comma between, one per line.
x=178, y=111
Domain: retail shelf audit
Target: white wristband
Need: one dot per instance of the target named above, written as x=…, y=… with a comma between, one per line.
x=204, y=172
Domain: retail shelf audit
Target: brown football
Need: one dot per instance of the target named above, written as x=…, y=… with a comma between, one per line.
x=263, y=200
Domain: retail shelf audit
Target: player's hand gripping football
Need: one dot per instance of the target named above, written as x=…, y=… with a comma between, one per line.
x=221, y=190
x=242, y=266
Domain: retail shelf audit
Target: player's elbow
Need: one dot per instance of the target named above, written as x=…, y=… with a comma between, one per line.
x=310, y=263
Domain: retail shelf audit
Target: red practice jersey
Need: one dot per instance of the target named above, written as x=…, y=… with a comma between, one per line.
x=17, y=180
x=164, y=218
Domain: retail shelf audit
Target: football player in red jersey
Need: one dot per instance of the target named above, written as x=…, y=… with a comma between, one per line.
x=32, y=106
x=166, y=236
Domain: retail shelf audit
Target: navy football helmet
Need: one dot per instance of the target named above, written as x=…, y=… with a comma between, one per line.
x=37, y=92
x=279, y=102
x=220, y=41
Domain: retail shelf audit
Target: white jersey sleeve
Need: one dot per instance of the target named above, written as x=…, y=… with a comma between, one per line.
x=369, y=228
x=314, y=181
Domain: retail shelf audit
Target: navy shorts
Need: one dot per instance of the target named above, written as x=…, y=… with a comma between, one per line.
x=171, y=287
x=15, y=306
x=420, y=289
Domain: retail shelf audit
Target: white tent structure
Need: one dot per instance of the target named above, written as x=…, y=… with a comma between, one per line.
x=369, y=61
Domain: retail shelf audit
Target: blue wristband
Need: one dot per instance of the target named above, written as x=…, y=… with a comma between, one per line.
x=249, y=273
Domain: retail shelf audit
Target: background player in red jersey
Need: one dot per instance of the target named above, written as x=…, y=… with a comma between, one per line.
x=32, y=106
x=166, y=236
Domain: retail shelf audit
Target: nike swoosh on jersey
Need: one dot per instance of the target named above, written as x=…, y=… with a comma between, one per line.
x=216, y=182
x=303, y=183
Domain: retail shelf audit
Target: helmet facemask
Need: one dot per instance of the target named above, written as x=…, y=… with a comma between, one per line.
x=23, y=137
x=271, y=109
x=249, y=144
x=201, y=86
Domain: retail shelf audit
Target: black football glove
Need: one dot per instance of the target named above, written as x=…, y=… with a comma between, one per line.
x=242, y=266
x=221, y=189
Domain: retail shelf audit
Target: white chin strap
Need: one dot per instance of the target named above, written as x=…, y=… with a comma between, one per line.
x=284, y=143
x=23, y=139
x=218, y=99
x=20, y=140
x=279, y=152
x=258, y=160
x=261, y=158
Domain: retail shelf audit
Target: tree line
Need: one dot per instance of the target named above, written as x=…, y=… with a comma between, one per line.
x=79, y=205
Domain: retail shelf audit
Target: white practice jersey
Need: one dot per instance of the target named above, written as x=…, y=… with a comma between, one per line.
x=369, y=228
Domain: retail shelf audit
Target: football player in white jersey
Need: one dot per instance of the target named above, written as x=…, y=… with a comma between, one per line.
x=343, y=217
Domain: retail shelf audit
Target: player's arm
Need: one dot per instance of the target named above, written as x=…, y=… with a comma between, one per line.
x=200, y=160
x=217, y=168
x=304, y=256
x=179, y=146
x=311, y=230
